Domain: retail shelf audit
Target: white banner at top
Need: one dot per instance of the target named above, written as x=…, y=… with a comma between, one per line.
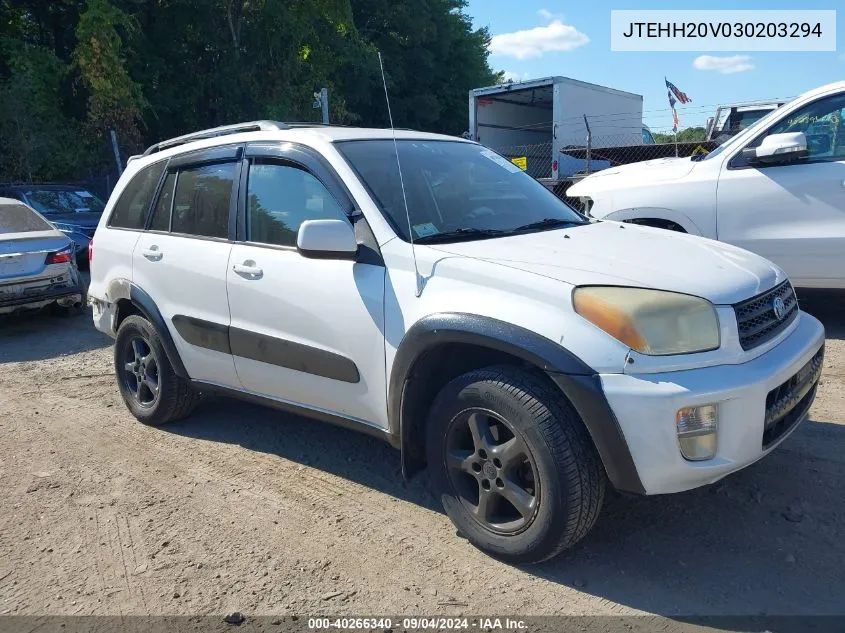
x=723, y=30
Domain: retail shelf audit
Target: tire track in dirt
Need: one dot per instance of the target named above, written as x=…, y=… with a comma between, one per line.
x=370, y=520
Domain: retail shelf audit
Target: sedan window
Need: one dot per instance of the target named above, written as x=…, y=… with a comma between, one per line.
x=17, y=218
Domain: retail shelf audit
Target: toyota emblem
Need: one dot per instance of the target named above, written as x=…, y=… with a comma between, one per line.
x=779, y=308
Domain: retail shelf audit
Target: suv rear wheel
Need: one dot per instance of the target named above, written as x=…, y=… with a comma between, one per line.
x=150, y=388
x=513, y=464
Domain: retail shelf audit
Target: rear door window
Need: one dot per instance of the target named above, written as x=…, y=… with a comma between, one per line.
x=203, y=199
x=130, y=211
x=16, y=218
x=161, y=214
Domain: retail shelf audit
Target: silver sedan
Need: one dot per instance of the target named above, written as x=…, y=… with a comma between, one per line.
x=37, y=262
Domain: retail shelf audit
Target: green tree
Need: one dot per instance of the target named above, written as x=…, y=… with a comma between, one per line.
x=433, y=57
x=38, y=139
x=687, y=135
x=114, y=100
x=152, y=70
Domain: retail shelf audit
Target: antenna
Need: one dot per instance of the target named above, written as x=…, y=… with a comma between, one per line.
x=417, y=275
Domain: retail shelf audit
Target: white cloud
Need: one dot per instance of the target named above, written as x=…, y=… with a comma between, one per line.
x=556, y=36
x=724, y=65
x=513, y=76
x=548, y=15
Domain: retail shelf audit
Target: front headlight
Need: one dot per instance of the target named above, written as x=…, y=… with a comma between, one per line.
x=652, y=322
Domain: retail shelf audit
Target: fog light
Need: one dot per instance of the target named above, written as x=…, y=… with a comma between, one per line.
x=697, y=428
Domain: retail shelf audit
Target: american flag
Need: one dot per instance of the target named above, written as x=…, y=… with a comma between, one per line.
x=675, y=95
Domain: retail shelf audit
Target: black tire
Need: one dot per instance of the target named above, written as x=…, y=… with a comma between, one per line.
x=555, y=475
x=150, y=388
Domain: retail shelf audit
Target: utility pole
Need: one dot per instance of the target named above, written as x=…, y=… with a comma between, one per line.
x=116, y=151
x=589, y=142
x=321, y=102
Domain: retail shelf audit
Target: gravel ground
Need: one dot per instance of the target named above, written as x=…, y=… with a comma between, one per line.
x=243, y=508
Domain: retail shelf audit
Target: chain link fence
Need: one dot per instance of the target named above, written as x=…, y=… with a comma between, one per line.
x=603, y=152
x=576, y=161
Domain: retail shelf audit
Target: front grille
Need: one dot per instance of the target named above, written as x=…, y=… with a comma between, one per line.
x=756, y=317
x=788, y=403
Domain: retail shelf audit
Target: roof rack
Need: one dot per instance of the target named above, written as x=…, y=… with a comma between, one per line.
x=237, y=128
x=223, y=130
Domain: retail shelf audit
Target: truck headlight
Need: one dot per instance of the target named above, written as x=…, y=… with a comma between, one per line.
x=654, y=322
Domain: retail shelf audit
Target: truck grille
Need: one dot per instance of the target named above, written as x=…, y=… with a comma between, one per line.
x=758, y=319
x=788, y=403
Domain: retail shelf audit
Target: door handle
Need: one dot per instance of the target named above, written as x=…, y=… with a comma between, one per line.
x=152, y=253
x=248, y=270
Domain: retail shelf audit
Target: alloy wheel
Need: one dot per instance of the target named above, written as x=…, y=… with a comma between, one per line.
x=140, y=372
x=492, y=470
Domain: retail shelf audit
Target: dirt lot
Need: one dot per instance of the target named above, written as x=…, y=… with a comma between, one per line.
x=242, y=508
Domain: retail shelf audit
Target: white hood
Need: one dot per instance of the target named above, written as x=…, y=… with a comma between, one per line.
x=657, y=170
x=610, y=253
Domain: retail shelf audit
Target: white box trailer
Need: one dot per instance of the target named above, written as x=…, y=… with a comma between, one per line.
x=540, y=117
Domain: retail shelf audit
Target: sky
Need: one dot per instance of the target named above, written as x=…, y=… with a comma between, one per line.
x=542, y=38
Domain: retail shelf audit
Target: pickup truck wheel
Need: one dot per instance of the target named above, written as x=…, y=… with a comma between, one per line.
x=513, y=464
x=150, y=388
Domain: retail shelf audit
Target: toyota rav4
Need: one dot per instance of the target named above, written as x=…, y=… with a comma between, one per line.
x=425, y=290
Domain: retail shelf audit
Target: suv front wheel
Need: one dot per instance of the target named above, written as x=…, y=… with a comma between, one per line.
x=513, y=464
x=150, y=388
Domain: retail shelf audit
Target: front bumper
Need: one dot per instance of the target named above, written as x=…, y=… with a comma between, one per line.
x=645, y=406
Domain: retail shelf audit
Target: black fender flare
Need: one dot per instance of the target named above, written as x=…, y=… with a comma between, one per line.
x=145, y=304
x=148, y=308
x=577, y=380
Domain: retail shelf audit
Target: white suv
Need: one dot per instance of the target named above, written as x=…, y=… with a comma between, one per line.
x=527, y=355
x=777, y=189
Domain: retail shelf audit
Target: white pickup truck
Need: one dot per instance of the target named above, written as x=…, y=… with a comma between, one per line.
x=777, y=189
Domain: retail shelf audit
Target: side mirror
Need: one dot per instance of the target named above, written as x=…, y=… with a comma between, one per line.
x=326, y=239
x=778, y=149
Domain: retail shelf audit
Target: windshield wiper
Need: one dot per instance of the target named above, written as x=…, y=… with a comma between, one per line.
x=458, y=234
x=546, y=223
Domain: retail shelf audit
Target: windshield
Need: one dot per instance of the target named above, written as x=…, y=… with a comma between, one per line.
x=55, y=201
x=454, y=189
x=742, y=119
x=700, y=157
x=17, y=218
